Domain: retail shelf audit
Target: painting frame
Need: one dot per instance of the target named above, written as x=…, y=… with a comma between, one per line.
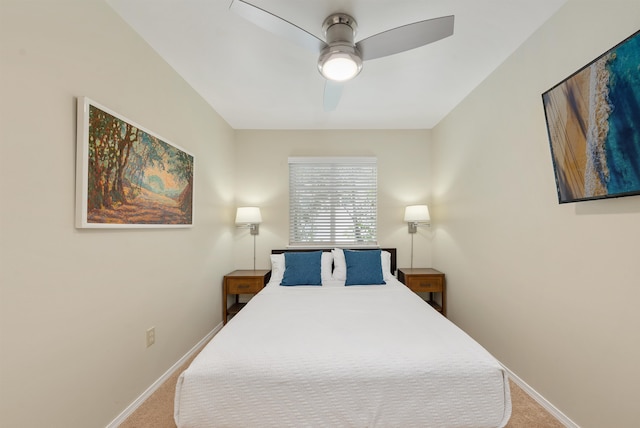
x=127, y=176
x=592, y=120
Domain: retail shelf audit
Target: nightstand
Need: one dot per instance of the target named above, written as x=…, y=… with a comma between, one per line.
x=426, y=280
x=241, y=282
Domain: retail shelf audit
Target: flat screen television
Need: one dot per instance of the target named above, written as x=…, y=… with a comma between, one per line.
x=593, y=123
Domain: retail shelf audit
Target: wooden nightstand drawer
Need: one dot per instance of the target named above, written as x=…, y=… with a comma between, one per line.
x=244, y=285
x=425, y=284
x=241, y=282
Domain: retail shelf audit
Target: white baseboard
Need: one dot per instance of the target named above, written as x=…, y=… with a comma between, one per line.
x=564, y=419
x=142, y=398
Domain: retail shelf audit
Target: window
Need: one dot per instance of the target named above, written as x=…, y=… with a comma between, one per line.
x=333, y=201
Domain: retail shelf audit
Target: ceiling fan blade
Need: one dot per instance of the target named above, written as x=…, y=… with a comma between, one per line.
x=404, y=38
x=332, y=94
x=277, y=25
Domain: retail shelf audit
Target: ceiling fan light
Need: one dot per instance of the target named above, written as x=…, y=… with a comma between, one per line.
x=339, y=68
x=339, y=65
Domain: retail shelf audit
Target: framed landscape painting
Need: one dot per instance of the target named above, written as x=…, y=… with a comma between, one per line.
x=128, y=177
x=593, y=123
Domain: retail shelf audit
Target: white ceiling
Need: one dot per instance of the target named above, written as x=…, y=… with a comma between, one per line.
x=258, y=80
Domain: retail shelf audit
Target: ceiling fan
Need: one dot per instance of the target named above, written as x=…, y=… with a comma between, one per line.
x=340, y=58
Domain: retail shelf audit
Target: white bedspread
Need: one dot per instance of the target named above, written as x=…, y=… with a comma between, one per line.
x=335, y=356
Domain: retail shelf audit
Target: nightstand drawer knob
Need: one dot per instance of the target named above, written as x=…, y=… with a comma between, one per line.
x=243, y=286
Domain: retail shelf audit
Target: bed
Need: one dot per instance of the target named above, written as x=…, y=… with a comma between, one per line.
x=331, y=354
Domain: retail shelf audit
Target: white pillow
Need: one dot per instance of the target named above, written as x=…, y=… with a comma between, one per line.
x=386, y=265
x=278, y=267
x=326, y=265
x=340, y=265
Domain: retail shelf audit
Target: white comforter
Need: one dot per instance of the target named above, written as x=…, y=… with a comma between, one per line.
x=335, y=356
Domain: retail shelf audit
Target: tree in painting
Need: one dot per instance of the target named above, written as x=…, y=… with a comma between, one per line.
x=134, y=177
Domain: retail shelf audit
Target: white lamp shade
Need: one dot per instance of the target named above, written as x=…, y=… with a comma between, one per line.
x=248, y=215
x=417, y=214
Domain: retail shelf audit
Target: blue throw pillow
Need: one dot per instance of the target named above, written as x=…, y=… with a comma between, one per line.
x=363, y=267
x=302, y=268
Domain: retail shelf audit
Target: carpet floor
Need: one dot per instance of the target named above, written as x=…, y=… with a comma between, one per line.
x=157, y=410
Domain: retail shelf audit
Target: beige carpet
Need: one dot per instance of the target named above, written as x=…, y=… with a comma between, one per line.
x=157, y=410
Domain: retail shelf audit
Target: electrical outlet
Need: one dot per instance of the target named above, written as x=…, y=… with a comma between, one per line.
x=151, y=336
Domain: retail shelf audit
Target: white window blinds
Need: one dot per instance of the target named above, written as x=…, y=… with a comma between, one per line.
x=333, y=201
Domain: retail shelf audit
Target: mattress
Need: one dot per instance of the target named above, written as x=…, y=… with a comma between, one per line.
x=356, y=356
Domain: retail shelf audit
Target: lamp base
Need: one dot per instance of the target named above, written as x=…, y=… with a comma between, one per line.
x=254, y=229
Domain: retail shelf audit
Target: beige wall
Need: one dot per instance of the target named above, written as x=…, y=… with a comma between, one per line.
x=75, y=304
x=262, y=179
x=551, y=290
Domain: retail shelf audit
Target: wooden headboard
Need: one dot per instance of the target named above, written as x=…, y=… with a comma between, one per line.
x=390, y=250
